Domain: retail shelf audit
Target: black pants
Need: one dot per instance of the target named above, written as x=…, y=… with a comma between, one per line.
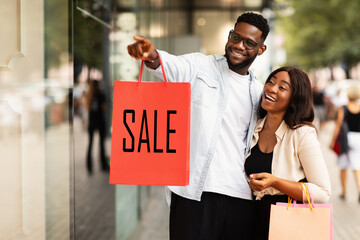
x=215, y=217
x=101, y=128
x=262, y=213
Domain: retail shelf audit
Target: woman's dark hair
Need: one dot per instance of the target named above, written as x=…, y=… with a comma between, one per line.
x=301, y=109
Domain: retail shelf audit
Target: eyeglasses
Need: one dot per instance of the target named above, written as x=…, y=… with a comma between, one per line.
x=248, y=43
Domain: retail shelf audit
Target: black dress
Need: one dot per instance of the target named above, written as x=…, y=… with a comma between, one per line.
x=259, y=162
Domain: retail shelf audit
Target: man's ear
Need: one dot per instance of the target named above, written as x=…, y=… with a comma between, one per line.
x=262, y=49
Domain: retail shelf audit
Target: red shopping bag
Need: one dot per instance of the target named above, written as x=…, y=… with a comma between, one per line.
x=150, y=142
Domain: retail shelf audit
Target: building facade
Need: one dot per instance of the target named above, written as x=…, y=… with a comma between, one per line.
x=50, y=50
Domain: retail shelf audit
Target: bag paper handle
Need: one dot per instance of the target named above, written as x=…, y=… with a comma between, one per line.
x=306, y=190
x=162, y=68
x=308, y=196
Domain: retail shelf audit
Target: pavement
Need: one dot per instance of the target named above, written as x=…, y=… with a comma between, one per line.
x=154, y=224
x=94, y=205
x=346, y=213
x=93, y=198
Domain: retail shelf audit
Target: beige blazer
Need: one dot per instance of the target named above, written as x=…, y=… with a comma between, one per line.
x=297, y=155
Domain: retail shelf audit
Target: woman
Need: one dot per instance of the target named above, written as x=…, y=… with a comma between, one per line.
x=350, y=113
x=284, y=148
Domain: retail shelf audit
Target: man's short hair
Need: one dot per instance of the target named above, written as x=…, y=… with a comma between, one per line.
x=256, y=20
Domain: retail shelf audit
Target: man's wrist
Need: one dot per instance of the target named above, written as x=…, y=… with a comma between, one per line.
x=155, y=59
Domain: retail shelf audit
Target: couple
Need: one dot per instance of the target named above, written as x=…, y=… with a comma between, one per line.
x=248, y=141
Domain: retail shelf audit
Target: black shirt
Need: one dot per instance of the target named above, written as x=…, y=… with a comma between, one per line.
x=258, y=161
x=352, y=120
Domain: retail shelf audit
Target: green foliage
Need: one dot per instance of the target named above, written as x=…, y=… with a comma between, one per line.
x=56, y=30
x=322, y=33
x=88, y=40
x=87, y=36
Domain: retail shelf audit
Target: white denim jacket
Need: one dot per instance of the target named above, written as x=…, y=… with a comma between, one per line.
x=208, y=76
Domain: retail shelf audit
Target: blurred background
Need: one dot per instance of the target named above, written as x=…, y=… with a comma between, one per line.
x=54, y=183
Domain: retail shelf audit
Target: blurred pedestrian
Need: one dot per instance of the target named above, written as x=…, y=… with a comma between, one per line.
x=96, y=108
x=350, y=113
x=284, y=148
x=319, y=105
x=217, y=203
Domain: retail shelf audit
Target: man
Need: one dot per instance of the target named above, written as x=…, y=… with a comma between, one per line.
x=224, y=97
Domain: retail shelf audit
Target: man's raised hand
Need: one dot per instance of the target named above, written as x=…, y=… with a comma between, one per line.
x=142, y=49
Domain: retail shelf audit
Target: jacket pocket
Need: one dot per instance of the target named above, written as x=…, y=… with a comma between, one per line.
x=205, y=91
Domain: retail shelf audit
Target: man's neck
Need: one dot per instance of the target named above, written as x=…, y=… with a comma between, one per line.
x=241, y=71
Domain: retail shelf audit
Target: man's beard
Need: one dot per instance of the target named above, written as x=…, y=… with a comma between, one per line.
x=246, y=63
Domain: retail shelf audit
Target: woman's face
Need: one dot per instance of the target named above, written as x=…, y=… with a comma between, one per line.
x=277, y=93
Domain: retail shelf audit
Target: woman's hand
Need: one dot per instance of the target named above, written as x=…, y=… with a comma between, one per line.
x=260, y=181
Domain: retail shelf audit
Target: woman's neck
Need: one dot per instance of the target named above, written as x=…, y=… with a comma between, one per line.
x=273, y=122
x=353, y=106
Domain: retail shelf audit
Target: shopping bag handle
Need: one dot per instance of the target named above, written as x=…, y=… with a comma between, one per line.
x=162, y=69
x=308, y=196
